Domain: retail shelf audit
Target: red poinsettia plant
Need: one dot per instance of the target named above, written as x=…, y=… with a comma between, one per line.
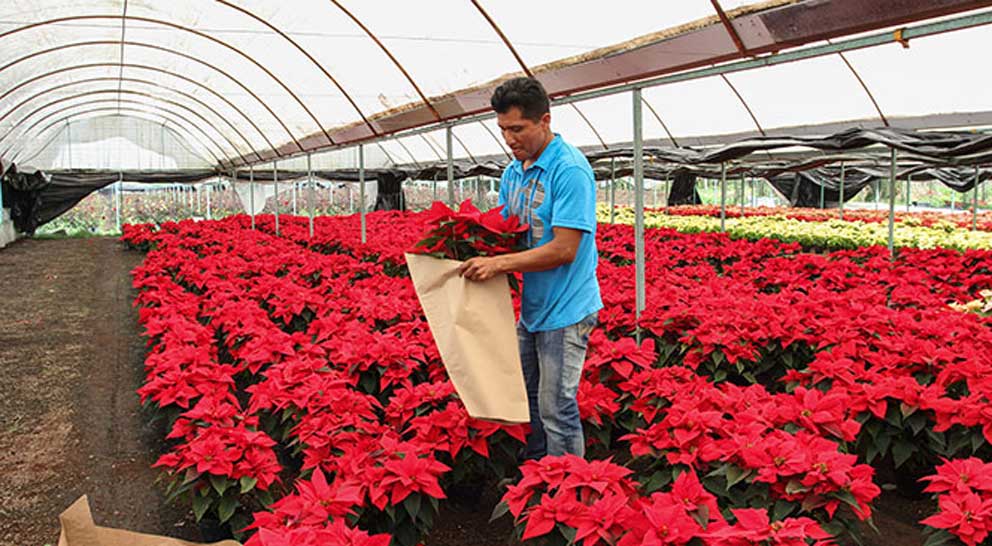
x=469, y=232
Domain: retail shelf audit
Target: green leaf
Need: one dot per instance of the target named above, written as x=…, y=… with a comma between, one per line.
x=499, y=511
x=782, y=509
x=902, y=451
x=200, y=506
x=938, y=537
x=977, y=440
x=227, y=507
x=735, y=475
x=567, y=532
x=219, y=483
x=412, y=505
x=247, y=484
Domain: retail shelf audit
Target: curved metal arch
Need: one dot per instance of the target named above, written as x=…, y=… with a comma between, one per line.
x=431, y=145
x=527, y=70
x=207, y=122
x=37, y=122
x=464, y=147
x=156, y=85
x=184, y=29
x=173, y=52
x=155, y=69
x=657, y=117
x=498, y=141
x=389, y=54
x=319, y=66
x=864, y=86
x=183, y=140
x=744, y=104
x=162, y=111
x=153, y=111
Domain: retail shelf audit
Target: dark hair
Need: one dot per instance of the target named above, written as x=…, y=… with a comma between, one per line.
x=525, y=93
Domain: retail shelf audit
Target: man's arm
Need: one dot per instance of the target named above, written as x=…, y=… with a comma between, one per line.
x=560, y=250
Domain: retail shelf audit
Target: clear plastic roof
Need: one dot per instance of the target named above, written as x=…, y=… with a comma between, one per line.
x=195, y=83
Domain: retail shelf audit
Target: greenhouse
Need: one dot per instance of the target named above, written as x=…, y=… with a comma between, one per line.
x=281, y=273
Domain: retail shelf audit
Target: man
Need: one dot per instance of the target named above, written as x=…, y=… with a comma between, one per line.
x=550, y=186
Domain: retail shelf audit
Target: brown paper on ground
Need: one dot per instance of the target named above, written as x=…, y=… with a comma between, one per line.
x=473, y=326
x=78, y=529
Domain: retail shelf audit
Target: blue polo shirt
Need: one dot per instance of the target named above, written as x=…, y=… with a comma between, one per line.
x=558, y=190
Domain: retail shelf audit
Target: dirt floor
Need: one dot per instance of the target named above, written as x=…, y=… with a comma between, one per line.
x=70, y=423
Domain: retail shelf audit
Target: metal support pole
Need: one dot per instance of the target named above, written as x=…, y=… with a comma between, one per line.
x=209, y=211
x=974, y=204
x=892, y=205
x=823, y=196
x=723, y=196
x=743, y=193
x=842, y=173
x=310, y=192
x=434, y=188
x=909, y=178
x=479, y=195
x=361, y=187
x=451, y=169
x=638, y=210
x=668, y=191
x=251, y=193
x=275, y=178
x=613, y=192
x=293, y=194
x=878, y=192
x=118, y=200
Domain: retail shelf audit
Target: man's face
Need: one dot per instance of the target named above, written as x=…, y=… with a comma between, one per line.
x=525, y=137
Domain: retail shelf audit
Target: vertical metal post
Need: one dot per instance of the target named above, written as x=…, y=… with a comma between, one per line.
x=434, y=188
x=668, y=191
x=613, y=188
x=842, y=173
x=638, y=210
x=909, y=178
x=892, y=204
x=118, y=200
x=743, y=193
x=251, y=193
x=310, y=192
x=480, y=195
x=974, y=204
x=275, y=179
x=878, y=192
x=209, y=212
x=361, y=186
x=723, y=196
x=293, y=194
x=451, y=168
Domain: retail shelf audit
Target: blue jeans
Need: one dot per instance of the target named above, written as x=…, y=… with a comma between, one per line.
x=552, y=364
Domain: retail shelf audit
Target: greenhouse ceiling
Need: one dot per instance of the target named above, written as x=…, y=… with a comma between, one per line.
x=232, y=83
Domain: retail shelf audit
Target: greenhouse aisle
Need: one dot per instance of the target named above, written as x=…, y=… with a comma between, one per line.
x=70, y=421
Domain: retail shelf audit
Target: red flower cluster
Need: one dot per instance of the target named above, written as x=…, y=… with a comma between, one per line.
x=802, y=367
x=963, y=489
x=469, y=232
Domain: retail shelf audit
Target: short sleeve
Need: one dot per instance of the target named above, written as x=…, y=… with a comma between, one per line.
x=573, y=199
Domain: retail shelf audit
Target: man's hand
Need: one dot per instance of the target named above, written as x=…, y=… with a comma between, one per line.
x=481, y=268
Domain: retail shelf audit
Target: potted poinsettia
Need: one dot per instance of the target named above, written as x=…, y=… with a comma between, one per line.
x=472, y=322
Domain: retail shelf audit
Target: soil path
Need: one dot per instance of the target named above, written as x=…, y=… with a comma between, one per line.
x=70, y=421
